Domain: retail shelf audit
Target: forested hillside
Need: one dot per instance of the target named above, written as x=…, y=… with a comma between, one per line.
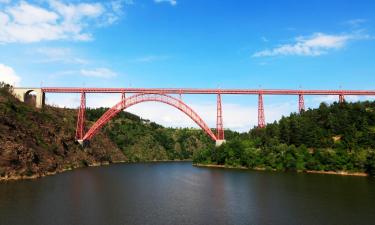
x=337, y=137
x=347, y=126
x=37, y=142
x=143, y=140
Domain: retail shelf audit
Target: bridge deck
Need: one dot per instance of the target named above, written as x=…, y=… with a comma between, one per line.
x=208, y=91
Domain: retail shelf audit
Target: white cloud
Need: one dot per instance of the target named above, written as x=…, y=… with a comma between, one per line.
x=98, y=72
x=75, y=12
x=172, y=2
x=5, y=1
x=25, y=22
x=355, y=22
x=150, y=58
x=26, y=14
x=8, y=75
x=325, y=98
x=54, y=52
x=314, y=45
x=333, y=98
x=64, y=55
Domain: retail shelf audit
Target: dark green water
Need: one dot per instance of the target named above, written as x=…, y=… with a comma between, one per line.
x=177, y=193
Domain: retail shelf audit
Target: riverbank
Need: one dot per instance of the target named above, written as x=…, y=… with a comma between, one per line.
x=37, y=176
x=96, y=164
x=342, y=173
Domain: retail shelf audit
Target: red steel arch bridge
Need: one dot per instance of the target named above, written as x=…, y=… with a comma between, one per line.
x=133, y=96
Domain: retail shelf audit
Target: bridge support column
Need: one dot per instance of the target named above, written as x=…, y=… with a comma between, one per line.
x=80, y=131
x=40, y=98
x=219, y=142
x=261, y=118
x=341, y=98
x=123, y=99
x=219, y=121
x=301, y=103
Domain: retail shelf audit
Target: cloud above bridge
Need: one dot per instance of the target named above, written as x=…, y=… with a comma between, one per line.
x=313, y=45
x=23, y=22
x=171, y=2
x=8, y=75
x=57, y=55
x=98, y=72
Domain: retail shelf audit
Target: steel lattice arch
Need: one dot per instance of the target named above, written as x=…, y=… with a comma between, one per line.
x=139, y=98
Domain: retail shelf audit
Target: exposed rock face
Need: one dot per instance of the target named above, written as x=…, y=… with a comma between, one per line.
x=37, y=142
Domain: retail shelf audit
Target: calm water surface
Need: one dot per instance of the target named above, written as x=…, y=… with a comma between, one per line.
x=177, y=193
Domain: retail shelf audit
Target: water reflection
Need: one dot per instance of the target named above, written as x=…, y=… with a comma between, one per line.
x=177, y=193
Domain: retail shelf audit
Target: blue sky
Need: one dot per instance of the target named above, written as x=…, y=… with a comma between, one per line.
x=184, y=43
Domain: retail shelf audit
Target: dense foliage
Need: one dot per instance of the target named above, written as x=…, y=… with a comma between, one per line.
x=142, y=140
x=337, y=137
x=347, y=126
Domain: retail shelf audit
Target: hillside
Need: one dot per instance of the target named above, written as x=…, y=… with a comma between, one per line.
x=143, y=140
x=37, y=142
x=337, y=137
x=347, y=126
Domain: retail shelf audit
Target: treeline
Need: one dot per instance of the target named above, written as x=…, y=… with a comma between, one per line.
x=337, y=137
x=347, y=126
x=143, y=140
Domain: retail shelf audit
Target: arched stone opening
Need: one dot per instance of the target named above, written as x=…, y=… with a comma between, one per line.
x=30, y=97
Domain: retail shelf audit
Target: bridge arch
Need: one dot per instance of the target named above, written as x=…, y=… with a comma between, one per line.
x=36, y=96
x=30, y=97
x=148, y=97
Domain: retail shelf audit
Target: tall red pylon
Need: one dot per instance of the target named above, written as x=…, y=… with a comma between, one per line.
x=301, y=103
x=80, y=131
x=219, y=120
x=261, y=118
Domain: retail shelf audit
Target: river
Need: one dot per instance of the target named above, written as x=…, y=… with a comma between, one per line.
x=178, y=193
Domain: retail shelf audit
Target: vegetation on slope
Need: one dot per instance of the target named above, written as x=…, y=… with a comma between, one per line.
x=337, y=137
x=142, y=140
x=37, y=142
